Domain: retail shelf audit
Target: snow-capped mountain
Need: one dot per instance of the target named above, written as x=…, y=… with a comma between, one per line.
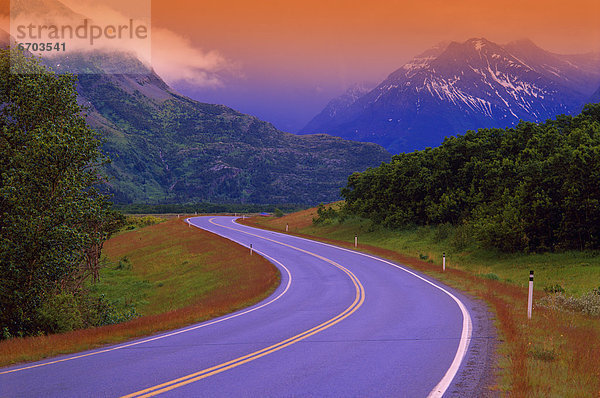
x=459, y=86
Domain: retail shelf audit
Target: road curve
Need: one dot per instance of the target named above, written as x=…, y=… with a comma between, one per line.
x=341, y=324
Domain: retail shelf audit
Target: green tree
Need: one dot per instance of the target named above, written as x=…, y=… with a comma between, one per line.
x=53, y=219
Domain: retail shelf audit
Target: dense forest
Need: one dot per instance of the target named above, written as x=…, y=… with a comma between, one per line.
x=534, y=187
x=206, y=208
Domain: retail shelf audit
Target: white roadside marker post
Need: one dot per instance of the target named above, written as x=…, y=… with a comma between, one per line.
x=444, y=262
x=530, y=297
x=355, y=240
x=251, y=250
x=287, y=227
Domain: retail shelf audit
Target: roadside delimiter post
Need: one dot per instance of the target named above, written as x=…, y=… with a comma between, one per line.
x=530, y=297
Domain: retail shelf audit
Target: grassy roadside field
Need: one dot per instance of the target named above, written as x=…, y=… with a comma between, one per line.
x=172, y=275
x=556, y=354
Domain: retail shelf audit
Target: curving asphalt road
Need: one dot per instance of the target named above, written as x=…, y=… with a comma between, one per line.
x=341, y=324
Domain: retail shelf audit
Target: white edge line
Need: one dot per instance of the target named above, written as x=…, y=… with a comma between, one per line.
x=189, y=329
x=467, y=326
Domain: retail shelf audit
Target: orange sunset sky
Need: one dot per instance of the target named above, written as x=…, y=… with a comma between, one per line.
x=290, y=57
x=283, y=60
x=308, y=35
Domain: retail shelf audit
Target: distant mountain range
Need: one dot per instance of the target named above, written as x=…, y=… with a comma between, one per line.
x=455, y=87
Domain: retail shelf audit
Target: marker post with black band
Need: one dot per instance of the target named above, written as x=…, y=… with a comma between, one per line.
x=530, y=297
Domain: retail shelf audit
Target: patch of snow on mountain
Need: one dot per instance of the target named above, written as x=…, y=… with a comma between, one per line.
x=418, y=63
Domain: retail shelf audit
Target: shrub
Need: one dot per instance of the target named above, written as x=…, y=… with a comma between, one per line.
x=442, y=232
x=325, y=214
x=60, y=313
x=146, y=221
x=587, y=304
x=67, y=311
x=133, y=222
x=101, y=312
x=124, y=263
x=462, y=237
x=554, y=289
x=542, y=354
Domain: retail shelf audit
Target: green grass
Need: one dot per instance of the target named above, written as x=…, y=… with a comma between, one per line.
x=577, y=272
x=160, y=274
x=123, y=288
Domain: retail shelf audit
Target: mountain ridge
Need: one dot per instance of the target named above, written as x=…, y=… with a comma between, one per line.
x=167, y=148
x=340, y=103
x=456, y=87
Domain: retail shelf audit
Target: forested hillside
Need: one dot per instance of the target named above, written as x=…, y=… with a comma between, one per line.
x=534, y=187
x=167, y=148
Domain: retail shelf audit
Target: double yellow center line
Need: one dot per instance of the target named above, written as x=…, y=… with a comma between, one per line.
x=193, y=377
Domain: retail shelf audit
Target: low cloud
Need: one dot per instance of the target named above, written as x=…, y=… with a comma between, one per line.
x=174, y=57
x=80, y=27
x=177, y=60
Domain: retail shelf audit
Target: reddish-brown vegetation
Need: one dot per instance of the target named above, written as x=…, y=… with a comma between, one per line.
x=246, y=280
